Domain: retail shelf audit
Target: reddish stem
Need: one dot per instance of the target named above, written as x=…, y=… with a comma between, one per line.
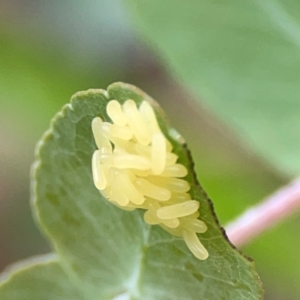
x=271, y=211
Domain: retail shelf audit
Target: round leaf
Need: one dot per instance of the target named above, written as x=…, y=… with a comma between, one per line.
x=104, y=252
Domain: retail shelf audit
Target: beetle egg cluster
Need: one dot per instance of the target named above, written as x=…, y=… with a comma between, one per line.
x=134, y=167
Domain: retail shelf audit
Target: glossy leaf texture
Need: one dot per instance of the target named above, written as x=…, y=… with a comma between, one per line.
x=103, y=252
x=241, y=58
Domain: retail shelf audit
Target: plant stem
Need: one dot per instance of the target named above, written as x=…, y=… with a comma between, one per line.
x=259, y=218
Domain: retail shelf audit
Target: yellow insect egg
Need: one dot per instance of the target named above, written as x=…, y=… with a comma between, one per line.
x=134, y=167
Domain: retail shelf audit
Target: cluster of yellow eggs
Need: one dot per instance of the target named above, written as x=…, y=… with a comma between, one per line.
x=134, y=167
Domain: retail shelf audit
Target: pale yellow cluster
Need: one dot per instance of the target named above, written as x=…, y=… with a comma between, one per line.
x=134, y=167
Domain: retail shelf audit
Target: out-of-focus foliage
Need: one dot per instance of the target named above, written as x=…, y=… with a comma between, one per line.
x=243, y=59
x=49, y=50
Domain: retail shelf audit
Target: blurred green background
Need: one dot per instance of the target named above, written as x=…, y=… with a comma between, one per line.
x=51, y=49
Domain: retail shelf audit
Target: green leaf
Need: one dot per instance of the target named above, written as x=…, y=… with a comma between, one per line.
x=104, y=252
x=242, y=59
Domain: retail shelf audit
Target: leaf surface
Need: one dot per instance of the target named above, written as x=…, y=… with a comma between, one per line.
x=104, y=252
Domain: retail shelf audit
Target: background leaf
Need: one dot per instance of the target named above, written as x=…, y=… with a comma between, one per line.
x=104, y=251
x=242, y=59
